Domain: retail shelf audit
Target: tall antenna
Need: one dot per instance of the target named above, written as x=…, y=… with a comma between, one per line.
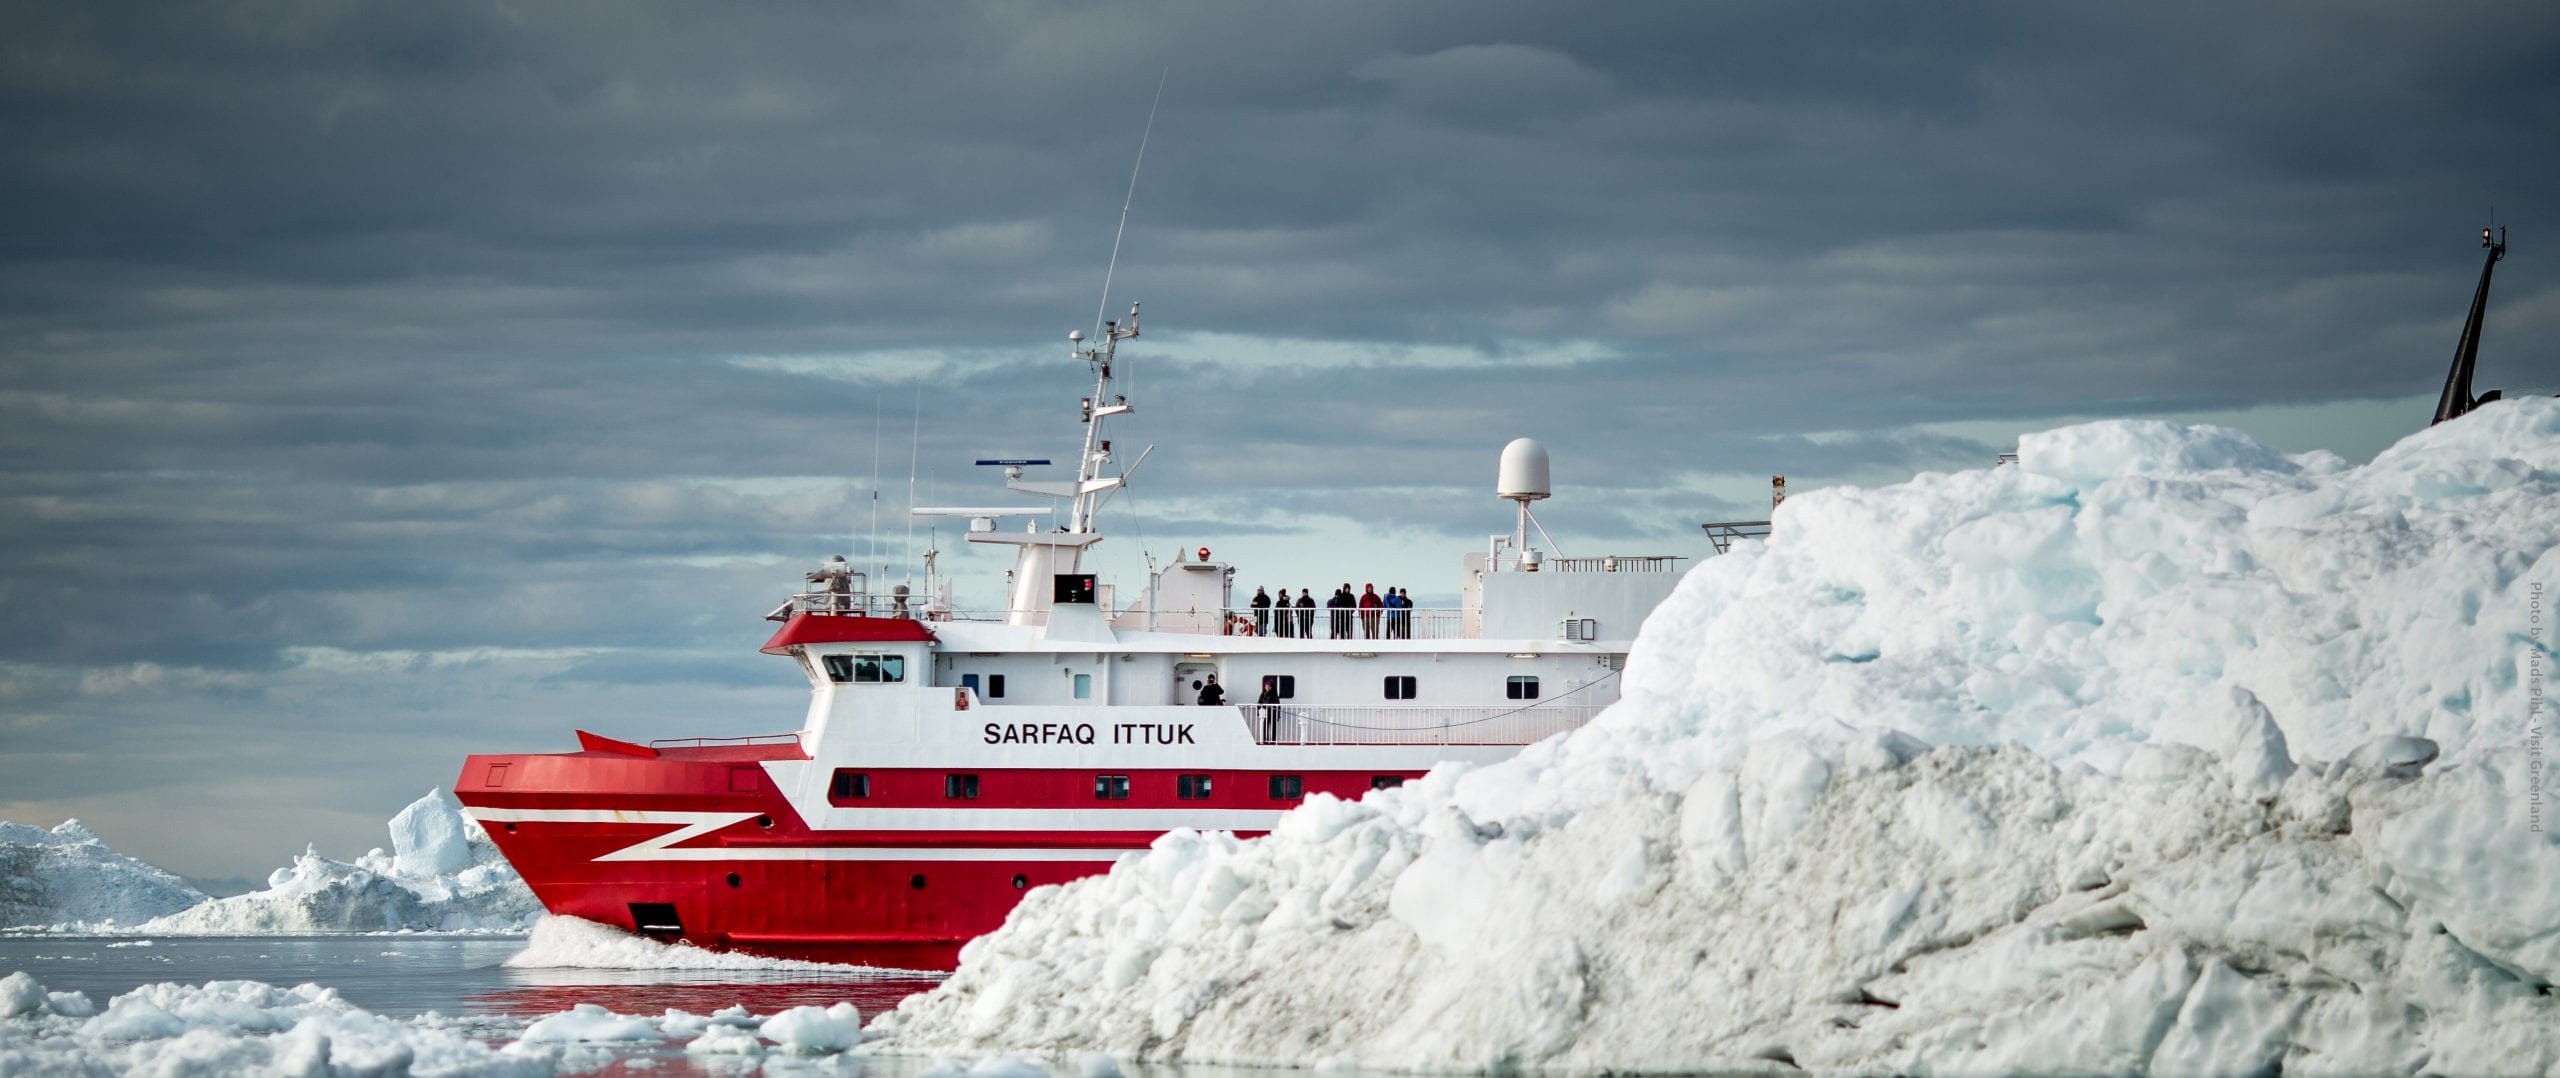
x=1099, y=309
x=872, y=554
x=915, y=446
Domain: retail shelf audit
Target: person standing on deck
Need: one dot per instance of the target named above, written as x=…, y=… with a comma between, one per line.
x=1340, y=604
x=1211, y=695
x=1395, y=615
x=1370, y=605
x=1261, y=612
x=1270, y=701
x=1306, y=614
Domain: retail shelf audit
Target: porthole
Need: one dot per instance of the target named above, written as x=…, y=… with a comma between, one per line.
x=734, y=880
x=1020, y=881
x=916, y=881
x=764, y=821
x=511, y=829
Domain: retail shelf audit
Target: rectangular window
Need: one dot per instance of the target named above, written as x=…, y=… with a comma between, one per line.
x=969, y=682
x=866, y=669
x=1111, y=787
x=1191, y=787
x=960, y=787
x=1399, y=687
x=1284, y=685
x=1287, y=787
x=1521, y=687
x=1084, y=686
x=1385, y=782
x=849, y=786
x=995, y=686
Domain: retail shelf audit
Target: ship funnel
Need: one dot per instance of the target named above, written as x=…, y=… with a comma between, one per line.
x=1523, y=477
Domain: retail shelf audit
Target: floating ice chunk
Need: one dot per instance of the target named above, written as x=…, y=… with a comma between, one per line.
x=589, y=1022
x=235, y=1027
x=21, y=995
x=725, y=1041
x=813, y=1031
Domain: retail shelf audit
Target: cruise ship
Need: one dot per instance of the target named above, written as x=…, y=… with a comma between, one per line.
x=951, y=758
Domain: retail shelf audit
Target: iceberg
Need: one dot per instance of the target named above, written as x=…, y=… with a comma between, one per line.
x=441, y=875
x=2155, y=751
x=65, y=879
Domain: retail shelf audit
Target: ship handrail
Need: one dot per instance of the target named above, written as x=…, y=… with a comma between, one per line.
x=741, y=739
x=1411, y=724
x=1367, y=623
x=1724, y=533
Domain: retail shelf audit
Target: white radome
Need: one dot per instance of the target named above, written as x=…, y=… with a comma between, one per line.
x=1524, y=471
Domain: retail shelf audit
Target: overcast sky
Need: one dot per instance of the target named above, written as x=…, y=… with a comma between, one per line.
x=385, y=382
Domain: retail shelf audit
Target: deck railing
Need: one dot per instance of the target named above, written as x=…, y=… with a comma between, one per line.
x=1412, y=724
x=1725, y=533
x=1329, y=623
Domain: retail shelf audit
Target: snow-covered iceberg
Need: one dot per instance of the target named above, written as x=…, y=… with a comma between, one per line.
x=442, y=874
x=2158, y=750
x=66, y=879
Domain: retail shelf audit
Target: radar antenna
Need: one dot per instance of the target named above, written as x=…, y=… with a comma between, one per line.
x=2457, y=399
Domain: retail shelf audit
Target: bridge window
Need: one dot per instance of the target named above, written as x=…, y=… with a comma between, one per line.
x=995, y=686
x=1111, y=787
x=866, y=668
x=1385, y=782
x=1521, y=687
x=1191, y=787
x=1288, y=787
x=1399, y=687
x=849, y=786
x=960, y=787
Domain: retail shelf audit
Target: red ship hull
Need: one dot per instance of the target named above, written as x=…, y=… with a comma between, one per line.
x=695, y=844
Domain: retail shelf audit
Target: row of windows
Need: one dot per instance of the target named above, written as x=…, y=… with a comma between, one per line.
x=993, y=688
x=863, y=668
x=866, y=668
x=961, y=786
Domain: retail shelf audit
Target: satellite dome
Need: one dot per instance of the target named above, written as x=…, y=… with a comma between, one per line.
x=1524, y=471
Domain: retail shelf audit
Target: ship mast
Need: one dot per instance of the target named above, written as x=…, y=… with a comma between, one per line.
x=2457, y=399
x=1103, y=404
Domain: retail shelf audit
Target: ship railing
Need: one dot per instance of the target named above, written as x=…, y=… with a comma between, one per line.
x=1412, y=724
x=1029, y=617
x=1617, y=563
x=707, y=742
x=1328, y=623
x=1725, y=533
x=851, y=604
